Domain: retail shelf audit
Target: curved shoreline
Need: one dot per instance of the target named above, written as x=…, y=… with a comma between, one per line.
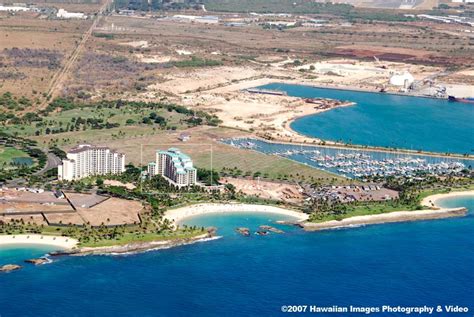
x=398, y=216
x=138, y=247
x=179, y=214
x=63, y=243
x=334, y=144
x=432, y=200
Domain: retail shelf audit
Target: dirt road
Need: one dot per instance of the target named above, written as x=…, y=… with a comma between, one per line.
x=59, y=78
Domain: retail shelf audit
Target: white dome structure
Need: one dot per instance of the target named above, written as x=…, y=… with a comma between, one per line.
x=403, y=80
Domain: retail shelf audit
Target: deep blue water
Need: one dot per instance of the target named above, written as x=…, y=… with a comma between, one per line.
x=418, y=263
x=388, y=120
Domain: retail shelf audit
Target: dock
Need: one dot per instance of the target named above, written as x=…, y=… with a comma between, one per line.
x=266, y=92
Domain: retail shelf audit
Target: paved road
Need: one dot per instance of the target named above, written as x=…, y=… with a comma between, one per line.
x=52, y=162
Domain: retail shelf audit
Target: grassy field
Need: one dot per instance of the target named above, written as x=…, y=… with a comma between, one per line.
x=7, y=154
x=33, y=39
x=270, y=166
x=143, y=237
x=371, y=208
x=140, y=143
x=111, y=115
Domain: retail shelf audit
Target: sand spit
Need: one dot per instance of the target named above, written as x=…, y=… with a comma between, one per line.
x=432, y=201
x=399, y=216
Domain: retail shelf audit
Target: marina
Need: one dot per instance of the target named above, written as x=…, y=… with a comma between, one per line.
x=357, y=163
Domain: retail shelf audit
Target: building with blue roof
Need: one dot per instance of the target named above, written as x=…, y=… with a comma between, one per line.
x=175, y=166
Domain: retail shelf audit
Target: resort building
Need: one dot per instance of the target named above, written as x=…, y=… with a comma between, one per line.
x=151, y=169
x=175, y=166
x=88, y=160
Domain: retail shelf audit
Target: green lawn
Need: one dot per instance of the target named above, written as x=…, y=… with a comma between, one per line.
x=7, y=154
x=111, y=115
x=274, y=166
x=372, y=208
x=143, y=237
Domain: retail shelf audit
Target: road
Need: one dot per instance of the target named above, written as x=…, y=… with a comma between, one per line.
x=52, y=162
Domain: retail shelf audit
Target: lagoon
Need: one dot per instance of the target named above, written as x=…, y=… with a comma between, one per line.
x=387, y=120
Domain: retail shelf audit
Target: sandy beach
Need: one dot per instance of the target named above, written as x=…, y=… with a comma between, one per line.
x=64, y=243
x=431, y=201
x=435, y=212
x=179, y=214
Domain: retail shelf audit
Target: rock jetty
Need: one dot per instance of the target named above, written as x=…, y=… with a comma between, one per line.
x=9, y=267
x=271, y=229
x=243, y=231
x=38, y=261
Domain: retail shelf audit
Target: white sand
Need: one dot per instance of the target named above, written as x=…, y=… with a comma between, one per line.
x=431, y=201
x=177, y=215
x=56, y=241
x=399, y=216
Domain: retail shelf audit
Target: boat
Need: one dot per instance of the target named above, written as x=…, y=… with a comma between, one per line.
x=464, y=100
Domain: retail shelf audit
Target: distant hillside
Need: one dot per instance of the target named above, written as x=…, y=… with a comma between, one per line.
x=53, y=1
x=276, y=6
x=313, y=6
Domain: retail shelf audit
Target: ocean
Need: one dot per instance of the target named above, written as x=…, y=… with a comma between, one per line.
x=408, y=264
x=388, y=120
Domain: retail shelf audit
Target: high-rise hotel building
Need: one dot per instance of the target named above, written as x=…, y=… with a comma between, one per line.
x=175, y=166
x=87, y=160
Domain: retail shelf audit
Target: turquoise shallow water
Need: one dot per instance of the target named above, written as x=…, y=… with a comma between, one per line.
x=416, y=263
x=388, y=120
x=14, y=252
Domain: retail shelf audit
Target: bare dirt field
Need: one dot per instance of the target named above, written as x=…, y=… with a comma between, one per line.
x=113, y=211
x=32, y=50
x=13, y=201
x=268, y=190
x=65, y=219
x=85, y=200
x=32, y=219
x=90, y=209
x=135, y=57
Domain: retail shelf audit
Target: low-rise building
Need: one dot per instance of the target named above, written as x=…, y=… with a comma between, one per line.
x=87, y=160
x=184, y=137
x=63, y=14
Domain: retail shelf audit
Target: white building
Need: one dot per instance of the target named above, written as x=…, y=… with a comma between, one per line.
x=151, y=169
x=63, y=14
x=87, y=160
x=175, y=166
x=402, y=80
x=14, y=8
